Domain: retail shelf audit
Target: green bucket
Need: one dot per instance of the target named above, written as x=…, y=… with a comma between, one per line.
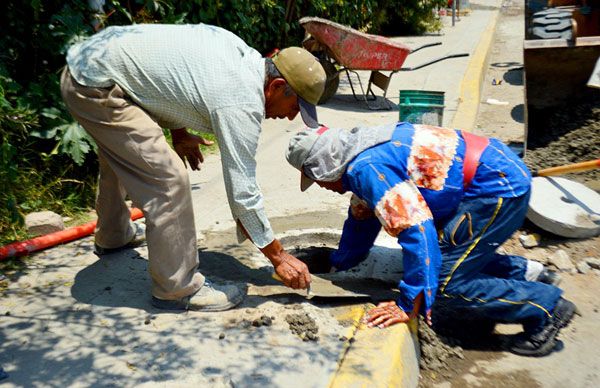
x=422, y=107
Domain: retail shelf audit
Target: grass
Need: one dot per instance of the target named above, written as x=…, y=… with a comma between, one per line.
x=80, y=217
x=207, y=150
x=67, y=197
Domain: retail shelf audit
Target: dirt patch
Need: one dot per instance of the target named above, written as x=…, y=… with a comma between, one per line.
x=303, y=326
x=577, y=249
x=436, y=352
x=263, y=320
x=568, y=135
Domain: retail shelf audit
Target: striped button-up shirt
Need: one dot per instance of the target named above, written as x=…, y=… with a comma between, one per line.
x=194, y=76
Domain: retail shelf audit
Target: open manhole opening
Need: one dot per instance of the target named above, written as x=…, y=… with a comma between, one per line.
x=312, y=247
x=316, y=258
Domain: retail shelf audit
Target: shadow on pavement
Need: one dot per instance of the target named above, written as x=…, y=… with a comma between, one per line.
x=97, y=328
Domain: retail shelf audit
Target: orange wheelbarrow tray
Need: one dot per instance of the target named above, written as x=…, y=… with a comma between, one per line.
x=352, y=50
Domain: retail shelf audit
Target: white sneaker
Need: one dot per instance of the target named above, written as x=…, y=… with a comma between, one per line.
x=138, y=239
x=211, y=297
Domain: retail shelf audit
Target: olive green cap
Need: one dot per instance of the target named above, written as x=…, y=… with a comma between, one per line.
x=303, y=73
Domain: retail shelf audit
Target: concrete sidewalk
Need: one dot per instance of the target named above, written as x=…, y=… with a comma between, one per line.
x=73, y=320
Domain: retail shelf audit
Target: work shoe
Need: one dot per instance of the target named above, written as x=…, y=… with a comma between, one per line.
x=539, y=344
x=563, y=313
x=211, y=297
x=138, y=239
x=549, y=277
x=543, y=342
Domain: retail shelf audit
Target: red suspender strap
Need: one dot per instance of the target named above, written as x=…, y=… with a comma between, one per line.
x=474, y=146
x=322, y=129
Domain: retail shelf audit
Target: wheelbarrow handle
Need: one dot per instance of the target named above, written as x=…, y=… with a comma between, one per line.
x=425, y=46
x=434, y=61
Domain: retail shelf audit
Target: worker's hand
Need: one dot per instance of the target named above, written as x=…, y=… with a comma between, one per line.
x=385, y=314
x=293, y=272
x=388, y=313
x=417, y=307
x=187, y=147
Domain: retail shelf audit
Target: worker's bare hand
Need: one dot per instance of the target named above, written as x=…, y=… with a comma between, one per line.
x=385, y=314
x=187, y=147
x=417, y=307
x=293, y=272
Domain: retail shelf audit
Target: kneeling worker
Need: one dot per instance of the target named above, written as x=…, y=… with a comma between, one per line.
x=451, y=198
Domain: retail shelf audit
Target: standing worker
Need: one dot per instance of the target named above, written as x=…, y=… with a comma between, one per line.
x=451, y=199
x=124, y=84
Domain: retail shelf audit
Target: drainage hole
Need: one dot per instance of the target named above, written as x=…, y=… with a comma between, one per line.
x=315, y=258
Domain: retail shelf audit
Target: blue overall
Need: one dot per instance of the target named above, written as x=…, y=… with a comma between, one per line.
x=413, y=184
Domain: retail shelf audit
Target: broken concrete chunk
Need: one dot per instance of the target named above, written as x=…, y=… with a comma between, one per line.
x=530, y=240
x=583, y=267
x=592, y=262
x=539, y=254
x=39, y=223
x=502, y=251
x=561, y=260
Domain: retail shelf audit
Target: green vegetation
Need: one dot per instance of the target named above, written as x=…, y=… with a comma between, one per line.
x=46, y=159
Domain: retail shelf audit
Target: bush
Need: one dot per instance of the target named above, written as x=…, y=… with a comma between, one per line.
x=409, y=17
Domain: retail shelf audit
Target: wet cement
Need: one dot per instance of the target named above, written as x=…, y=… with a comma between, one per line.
x=436, y=351
x=226, y=259
x=570, y=134
x=222, y=258
x=304, y=326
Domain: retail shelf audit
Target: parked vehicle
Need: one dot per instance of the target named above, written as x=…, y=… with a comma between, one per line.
x=562, y=45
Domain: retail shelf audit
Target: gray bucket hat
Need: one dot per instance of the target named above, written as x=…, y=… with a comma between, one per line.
x=298, y=151
x=322, y=154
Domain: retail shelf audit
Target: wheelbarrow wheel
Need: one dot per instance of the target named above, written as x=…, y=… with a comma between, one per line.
x=333, y=80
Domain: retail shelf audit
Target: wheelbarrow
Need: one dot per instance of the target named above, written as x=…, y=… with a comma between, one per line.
x=344, y=49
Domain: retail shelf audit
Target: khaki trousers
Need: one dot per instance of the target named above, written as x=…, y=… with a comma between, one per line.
x=136, y=159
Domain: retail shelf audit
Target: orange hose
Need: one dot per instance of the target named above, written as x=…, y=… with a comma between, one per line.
x=22, y=248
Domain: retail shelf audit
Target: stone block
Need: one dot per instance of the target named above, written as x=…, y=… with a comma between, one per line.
x=593, y=262
x=583, y=267
x=538, y=254
x=561, y=260
x=530, y=240
x=44, y=222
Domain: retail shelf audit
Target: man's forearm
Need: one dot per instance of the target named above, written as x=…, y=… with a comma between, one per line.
x=272, y=250
x=293, y=272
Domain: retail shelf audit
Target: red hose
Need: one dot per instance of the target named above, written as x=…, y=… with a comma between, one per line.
x=22, y=248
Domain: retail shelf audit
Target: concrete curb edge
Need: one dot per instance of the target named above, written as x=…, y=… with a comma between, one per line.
x=470, y=89
x=377, y=358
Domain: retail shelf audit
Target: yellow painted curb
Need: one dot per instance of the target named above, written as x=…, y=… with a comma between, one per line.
x=377, y=358
x=470, y=88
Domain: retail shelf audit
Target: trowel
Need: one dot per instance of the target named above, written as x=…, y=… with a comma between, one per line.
x=335, y=285
x=322, y=287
